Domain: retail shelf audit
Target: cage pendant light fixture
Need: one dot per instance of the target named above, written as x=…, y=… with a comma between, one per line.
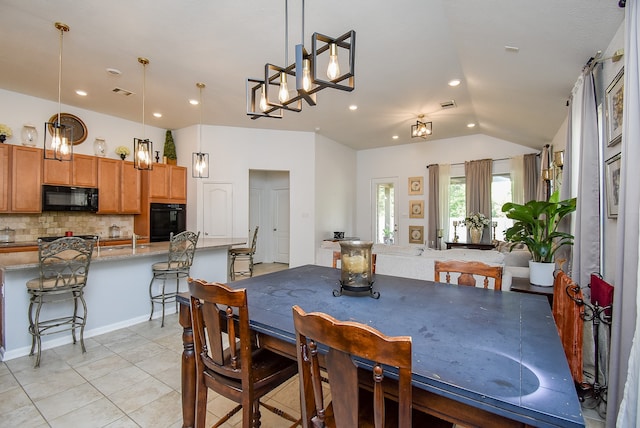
x=421, y=129
x=200, y=160
x=142, y=147
x=59, y=145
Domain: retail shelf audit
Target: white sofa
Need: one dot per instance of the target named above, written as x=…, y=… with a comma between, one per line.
x=417, y=262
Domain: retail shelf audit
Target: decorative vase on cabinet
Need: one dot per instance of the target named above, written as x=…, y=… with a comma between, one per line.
x=476, y=235
x=29, y=135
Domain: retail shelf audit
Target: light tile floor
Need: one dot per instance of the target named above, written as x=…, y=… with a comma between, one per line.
x=127, y=378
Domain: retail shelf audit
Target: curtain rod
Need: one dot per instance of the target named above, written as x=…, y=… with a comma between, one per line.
x=492, y=160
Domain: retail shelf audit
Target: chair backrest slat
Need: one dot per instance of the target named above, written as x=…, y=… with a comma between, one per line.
x=467, y=270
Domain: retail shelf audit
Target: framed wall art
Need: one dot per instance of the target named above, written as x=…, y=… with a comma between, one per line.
x=613, y=185
x=415, y=185
x=416, y=209
x=416, y=234
x=614, y=109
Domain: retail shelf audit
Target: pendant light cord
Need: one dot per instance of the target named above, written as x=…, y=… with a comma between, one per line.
x=302, y=40
x=286, y=32
x=60, y=76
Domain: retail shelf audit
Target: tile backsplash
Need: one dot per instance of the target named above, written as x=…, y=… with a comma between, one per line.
x=29, y=227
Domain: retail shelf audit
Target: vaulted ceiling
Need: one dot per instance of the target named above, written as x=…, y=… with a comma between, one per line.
x=406, y=52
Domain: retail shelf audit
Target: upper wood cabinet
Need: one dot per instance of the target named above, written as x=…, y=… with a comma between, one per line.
x=167, y=183
x=81, y=171
x=118, y=187
x=5, y=177
x=130, y=194
x=109, y=187
x=26, y=183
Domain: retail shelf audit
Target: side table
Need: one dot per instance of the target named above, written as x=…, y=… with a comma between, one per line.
x=522, y=285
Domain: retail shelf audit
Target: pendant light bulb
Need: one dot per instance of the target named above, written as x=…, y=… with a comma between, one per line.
x=263, y=99
x=306, y=75
x=333, y=70
x=283, y=94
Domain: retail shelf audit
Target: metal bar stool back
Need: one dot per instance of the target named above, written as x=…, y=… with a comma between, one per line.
x=64, y=268
x=243, y=253
x=182, y=249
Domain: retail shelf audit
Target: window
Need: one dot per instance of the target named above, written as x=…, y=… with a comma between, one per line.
x=385, y=215
x=500, y=193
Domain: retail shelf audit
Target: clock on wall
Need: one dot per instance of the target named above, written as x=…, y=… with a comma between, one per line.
x=74, y=122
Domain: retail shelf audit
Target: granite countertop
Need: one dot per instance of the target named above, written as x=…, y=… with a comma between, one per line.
x=29, y=259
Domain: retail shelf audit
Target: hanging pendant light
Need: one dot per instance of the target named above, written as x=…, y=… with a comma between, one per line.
x=143, y=148
x=421, y=129
x=60, y=145
x=200, y=160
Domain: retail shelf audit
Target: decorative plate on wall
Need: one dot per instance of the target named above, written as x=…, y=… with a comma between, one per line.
x=72, y=121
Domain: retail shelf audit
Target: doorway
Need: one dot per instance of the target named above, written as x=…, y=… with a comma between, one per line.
x=269, y=208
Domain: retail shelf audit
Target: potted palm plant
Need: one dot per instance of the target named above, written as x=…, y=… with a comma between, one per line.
x=536, y=226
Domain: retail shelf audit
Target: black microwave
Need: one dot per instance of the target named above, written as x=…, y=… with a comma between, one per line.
x=69, y=198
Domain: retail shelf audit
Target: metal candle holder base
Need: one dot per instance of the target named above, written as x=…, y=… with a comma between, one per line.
x=359, y=290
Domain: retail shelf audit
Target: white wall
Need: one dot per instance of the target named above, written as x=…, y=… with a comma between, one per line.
x=411, y=160
x=234, y=151
x=17, y=109
x=335, y=189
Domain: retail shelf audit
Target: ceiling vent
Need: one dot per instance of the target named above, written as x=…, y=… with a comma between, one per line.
x=122, y=92
x=448, y=104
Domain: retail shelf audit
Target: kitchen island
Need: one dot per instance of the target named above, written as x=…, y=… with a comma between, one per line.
x=117, y=292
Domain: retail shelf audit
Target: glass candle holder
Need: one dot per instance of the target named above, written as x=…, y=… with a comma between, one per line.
x=356, y=272
x=100, y=147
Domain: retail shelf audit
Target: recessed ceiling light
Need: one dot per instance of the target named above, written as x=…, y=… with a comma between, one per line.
x=158, y=115
x=514, y=49
x=81, y=93
x=318, y=129
x=454, y=82
x=353, y=107
x=395, y=137
x=194, y=102
x=113, y=72
x=471, y=125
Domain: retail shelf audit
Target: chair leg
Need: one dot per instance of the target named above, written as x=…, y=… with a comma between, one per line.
x=84, y=320
x=36, y=328
x=32, y=326
x=163, y=299
x=232, y=268
x=250, y=265
x=151, y=295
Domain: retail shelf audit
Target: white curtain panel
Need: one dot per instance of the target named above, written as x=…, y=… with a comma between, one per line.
x=443, y=204
x=624, y=372
x=517, y=179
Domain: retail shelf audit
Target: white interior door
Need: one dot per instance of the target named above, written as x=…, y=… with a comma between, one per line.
x=281, y=225
x=218, y=210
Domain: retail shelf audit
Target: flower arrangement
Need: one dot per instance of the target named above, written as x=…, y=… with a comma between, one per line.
x=5, y=130
x=123, y=150
x=476, y=220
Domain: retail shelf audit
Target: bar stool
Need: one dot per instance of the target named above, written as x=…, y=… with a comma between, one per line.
x=245, y=253
x=64, y=268
x=182, y=248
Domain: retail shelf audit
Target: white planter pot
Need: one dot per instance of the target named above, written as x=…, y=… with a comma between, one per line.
x=541, y=273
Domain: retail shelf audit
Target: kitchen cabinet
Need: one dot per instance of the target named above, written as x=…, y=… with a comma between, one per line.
x=5, y=177
x=130, y=195
x=81, y=171
x=167, y=183
x=109, y=186
x=26, y=182
x=118, y=187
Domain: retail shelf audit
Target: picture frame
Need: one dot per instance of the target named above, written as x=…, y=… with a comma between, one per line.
x=416, y=209
x=416, y=185
x=416, y=234
x=613, y=185
x=614, y=98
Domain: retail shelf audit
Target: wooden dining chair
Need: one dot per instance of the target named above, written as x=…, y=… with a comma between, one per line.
x=352, y=406
x=467, y=270
x=239, y=371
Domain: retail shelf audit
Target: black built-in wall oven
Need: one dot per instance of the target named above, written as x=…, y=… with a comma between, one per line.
x=165, y=219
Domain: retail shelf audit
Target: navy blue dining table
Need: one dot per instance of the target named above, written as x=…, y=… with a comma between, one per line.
x=479, y=356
